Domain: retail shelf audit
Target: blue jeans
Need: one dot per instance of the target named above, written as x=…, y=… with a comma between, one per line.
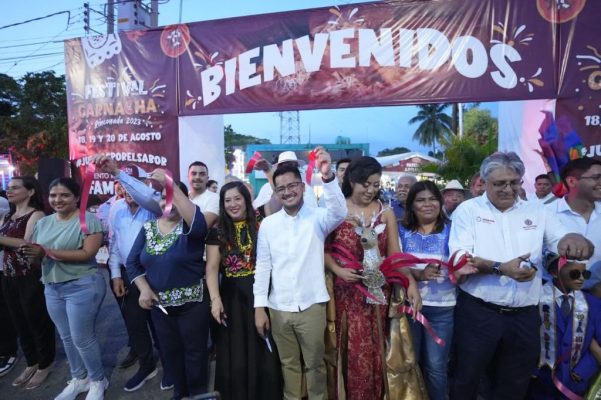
x=74, y=306
x=434, y=358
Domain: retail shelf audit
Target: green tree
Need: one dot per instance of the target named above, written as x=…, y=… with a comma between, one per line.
x=463, y=157
x=482, y=127
x=434, y=125
x=232, y=140
x=33, y=118
x=390, y=152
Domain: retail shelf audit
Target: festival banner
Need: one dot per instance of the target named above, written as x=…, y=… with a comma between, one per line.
x=369, y=54
x=579, y=74
x=121, y=94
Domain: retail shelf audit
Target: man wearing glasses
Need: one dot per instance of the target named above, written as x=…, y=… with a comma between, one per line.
x=290, y=278
x=580, y=210
x=496, y=317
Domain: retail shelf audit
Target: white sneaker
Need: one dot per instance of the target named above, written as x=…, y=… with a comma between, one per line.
x=97, y=389
x=74, y=387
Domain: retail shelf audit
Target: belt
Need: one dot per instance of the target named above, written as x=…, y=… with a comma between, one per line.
x=495, y=307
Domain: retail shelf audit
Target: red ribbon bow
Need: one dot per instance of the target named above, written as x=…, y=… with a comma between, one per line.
x=251, y=163
x=389, y=268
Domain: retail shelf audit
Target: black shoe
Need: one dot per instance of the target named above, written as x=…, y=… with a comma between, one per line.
x=129, y=360
x=7, y=363
x=138, y=380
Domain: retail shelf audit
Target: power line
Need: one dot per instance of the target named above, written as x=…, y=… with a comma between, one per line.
x=38, y=18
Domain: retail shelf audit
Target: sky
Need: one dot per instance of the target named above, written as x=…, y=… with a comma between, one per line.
x=37, y=46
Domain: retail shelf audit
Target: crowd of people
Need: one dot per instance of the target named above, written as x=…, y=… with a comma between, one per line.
x=436, y=293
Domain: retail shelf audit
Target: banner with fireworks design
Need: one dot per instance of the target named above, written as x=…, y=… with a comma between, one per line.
x=126, y=91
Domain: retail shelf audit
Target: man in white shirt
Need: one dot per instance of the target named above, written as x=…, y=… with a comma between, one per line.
x=580, y=210
x=542, y=187
x=207, y=201
x=496, y=317
x=290, y=278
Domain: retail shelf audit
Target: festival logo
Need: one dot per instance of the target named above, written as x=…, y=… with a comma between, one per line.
x=175, y=40
x=559, y=11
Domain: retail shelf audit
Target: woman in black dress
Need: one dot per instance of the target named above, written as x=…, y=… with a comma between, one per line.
x=247, y=365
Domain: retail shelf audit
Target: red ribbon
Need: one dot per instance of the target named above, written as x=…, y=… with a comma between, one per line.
x=455, y=265
x=559, y=384
x=168, y=193
x=251, y=163
x=424, y=321
x=85, y=195
x=389, y=268
x=310, y=167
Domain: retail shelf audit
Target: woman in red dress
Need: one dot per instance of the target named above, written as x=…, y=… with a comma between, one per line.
x=359, y=335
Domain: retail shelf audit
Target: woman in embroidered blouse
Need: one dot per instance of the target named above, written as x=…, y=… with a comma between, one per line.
x=166, y=264
x=21, y=285
x=424, y=233
x=246, y=368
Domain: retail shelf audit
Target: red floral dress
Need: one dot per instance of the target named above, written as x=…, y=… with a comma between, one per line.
x=358, y=341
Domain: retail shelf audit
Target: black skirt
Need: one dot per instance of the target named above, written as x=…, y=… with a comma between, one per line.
x=245, y=368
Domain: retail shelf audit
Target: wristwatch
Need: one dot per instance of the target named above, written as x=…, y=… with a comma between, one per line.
x=496, y=268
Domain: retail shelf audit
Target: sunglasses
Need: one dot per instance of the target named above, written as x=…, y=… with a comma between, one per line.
x=576, y=274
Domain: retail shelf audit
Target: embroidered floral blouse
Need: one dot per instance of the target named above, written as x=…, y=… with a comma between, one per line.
x=236, y=261
x=172, y=263
x=14, y=263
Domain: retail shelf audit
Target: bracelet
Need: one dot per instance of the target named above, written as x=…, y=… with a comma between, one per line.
x=216, y=297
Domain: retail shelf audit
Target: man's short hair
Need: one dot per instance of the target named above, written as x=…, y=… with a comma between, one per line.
x=542, y=176
x=284, y=169
x=342, y=161
x=502, y=159
x=577, y=167
x=408, y=176
x=198, y=164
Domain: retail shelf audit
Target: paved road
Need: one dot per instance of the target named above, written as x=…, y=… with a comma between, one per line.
x=113, y=340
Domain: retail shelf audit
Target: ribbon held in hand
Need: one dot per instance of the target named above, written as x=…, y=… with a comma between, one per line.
x=251, y=163
x=168, y=193
x=455, y=263
x=85, y=195
x=310, y=167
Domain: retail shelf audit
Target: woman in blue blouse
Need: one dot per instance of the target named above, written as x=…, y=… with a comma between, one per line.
x=166, y=264
x=424, y=233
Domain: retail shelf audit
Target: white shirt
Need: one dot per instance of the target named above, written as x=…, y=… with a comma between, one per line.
x=290, y=254
x=575, y=222
x=124, y=228
x=548, y=199
x=207, y=202
x=481, y=229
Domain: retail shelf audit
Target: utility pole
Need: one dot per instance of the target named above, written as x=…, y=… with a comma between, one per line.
x=154, y=13
x=110, y=17
x=86, y=17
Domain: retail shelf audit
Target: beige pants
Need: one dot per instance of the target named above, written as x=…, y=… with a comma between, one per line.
x=296, y=334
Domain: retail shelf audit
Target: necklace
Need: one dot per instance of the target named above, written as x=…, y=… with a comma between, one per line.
x=243, y=240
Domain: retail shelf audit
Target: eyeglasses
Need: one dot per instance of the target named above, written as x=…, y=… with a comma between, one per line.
x=501, y=185
x=280, y=190
x=596, y=178
x=576, y=274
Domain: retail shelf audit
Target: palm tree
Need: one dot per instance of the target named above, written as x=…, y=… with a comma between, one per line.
x=434, y=124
